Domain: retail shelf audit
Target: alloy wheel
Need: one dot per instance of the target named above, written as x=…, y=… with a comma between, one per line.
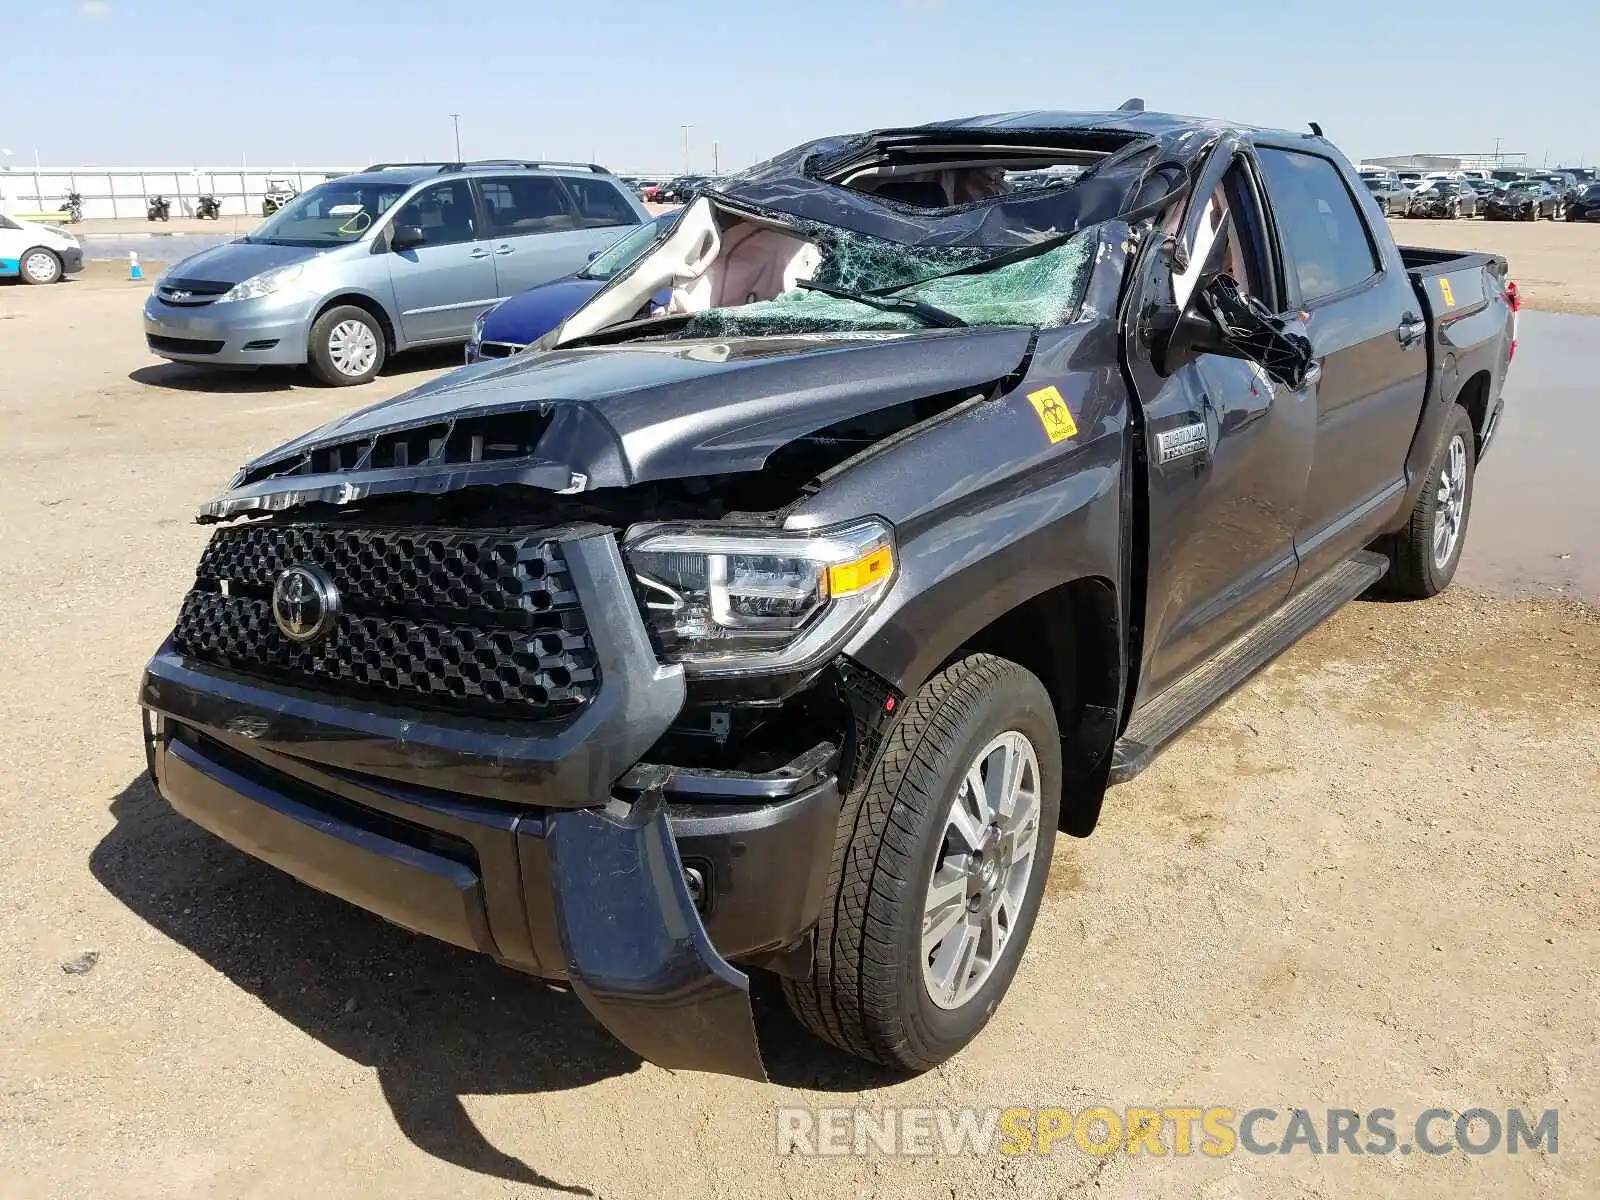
x=1451, y=503
x=981, y=874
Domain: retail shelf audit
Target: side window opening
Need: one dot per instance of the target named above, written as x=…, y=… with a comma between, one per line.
x=527, y=204
x=600, y=204
x=443, y=212
x=1232, y=214
x=1322, y=230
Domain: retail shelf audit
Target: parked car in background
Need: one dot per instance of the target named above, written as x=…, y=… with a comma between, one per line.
x=680, y=190
x=1447, y=198
x=37, y=253
x=1524, y=200
x=1587, y=206
x=513, y=324
x=394, y=257
x=1393, y=197
x=1564, y=183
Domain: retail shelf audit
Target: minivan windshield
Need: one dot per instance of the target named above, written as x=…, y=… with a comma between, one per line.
x=331, y=213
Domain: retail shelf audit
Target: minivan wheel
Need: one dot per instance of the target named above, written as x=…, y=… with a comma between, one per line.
x=40, y=265
x=346, y=346
x=939, y=864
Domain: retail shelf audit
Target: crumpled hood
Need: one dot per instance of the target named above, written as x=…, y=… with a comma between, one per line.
x=234, y=262
x=579, y=419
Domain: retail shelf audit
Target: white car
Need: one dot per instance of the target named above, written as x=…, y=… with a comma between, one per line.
x=37, y=253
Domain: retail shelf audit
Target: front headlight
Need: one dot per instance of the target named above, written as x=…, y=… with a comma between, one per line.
x=277, y=281
x=477, y=326
x=729, y=603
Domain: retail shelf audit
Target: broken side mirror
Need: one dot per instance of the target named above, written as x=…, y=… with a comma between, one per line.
x=1220, y=319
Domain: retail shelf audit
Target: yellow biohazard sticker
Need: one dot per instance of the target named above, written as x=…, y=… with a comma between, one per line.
x=1449, y=296
x=1053, y=414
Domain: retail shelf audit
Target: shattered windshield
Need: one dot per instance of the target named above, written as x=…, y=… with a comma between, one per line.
x=1042, y=290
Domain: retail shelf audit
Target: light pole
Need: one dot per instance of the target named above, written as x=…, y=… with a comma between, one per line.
x=455, y=119
x=686, y=129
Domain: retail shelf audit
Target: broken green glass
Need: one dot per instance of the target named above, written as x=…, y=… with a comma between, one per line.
x=1041, y=291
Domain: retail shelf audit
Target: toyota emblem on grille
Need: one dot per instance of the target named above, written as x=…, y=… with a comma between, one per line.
x=304, y=603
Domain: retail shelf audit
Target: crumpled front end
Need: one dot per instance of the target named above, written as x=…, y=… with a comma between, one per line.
x=460, y=753
x=469, y=732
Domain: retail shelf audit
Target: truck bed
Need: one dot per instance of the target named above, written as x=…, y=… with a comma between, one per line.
x=1423, y=261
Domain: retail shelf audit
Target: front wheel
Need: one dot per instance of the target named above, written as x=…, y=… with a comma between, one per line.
x=1424, y=555
x=346, y=346
x=938, y=868
x=40, y=265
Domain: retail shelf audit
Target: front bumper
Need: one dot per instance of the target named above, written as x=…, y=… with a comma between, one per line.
x=240, y=333
x=71, y=259
x=549, y=847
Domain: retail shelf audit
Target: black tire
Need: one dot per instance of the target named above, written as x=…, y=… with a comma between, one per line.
x=1415, y=571
x=39, y=265
x=866, y=993
x=336, y=366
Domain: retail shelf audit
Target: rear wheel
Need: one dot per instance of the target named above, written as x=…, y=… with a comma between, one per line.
x=346, y=346
x=1424, y=555
x=939, y=865
x=40, y=265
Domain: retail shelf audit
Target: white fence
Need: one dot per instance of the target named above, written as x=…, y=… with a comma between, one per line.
x=123, y=192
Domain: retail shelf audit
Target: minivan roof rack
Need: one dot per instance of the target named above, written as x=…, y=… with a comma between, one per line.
x=491, y=164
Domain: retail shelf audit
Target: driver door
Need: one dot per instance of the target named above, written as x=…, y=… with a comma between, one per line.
x=441, y=286
x=1229, y=451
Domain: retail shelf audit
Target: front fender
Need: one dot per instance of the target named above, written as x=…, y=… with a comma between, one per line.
x=992, y=506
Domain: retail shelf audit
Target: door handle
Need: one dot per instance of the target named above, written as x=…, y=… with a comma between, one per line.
x=1412, y=330
x=480, y=254
x=505, y=249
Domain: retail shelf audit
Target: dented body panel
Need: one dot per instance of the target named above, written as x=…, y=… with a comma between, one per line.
x=588, y=419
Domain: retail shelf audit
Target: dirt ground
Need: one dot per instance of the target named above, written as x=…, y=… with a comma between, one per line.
x=1371, y=879
x=1556, y=263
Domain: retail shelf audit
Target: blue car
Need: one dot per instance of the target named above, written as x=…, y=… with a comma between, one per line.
x=526, y=317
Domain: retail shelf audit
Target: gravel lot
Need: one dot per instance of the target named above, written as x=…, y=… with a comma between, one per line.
x=1369, y=880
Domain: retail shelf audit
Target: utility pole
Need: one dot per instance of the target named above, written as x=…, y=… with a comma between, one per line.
x=715, y=166
x=686, y=129
x=455, y=119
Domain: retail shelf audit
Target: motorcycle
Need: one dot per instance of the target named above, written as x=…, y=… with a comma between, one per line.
x=72, y=205
x=158, y=209
x=208, y=208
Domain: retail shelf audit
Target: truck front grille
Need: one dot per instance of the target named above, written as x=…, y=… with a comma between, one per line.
x=469, y=621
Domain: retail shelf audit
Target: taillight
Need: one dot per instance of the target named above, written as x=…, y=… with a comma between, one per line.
x=1514, y=299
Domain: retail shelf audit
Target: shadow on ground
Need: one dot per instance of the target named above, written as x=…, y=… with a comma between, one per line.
x=433, y=1021
x=184, y=377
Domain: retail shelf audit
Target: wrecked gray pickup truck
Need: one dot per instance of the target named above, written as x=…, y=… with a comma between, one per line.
x=782, y=630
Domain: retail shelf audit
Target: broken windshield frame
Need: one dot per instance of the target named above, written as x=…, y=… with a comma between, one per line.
x=930, y=315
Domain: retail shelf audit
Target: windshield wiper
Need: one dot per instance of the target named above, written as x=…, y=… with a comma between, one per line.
x=927, y=313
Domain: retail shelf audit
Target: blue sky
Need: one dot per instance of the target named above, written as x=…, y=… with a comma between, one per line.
x=341, y=82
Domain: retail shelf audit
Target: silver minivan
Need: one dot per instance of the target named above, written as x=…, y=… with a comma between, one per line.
x=397, y=256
